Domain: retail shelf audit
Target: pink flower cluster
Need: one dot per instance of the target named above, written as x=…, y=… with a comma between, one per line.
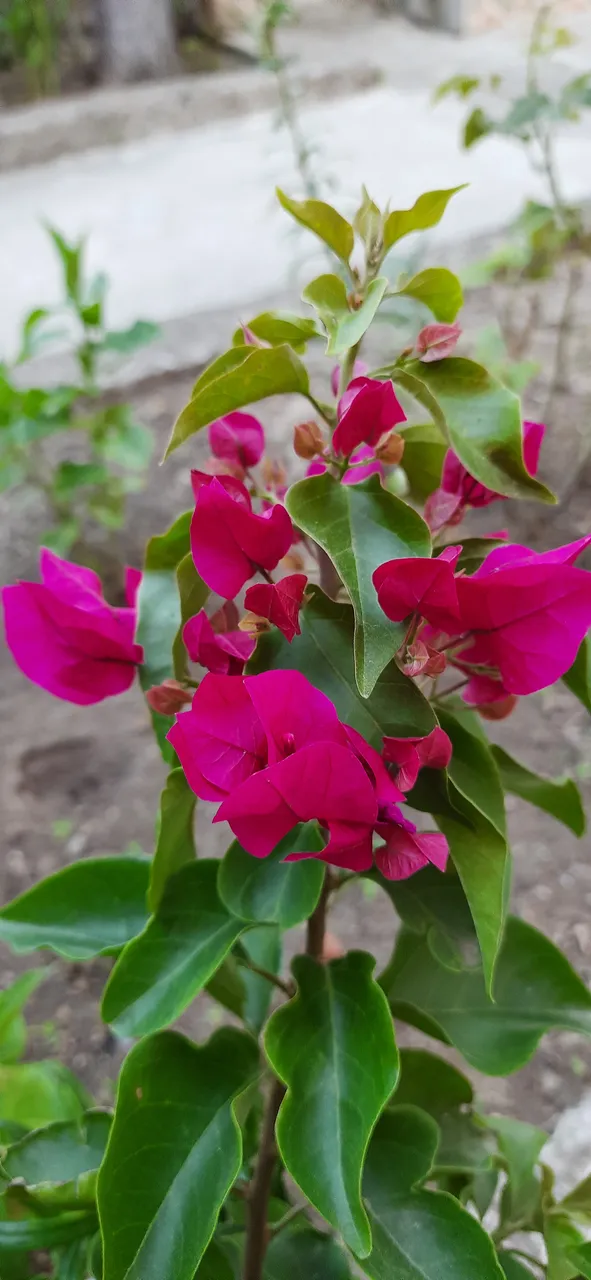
x=459, y=490
x=272, y=752
x=367, y=413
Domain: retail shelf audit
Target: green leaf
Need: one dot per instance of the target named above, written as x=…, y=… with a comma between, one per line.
x=581, y=1258
x=227, y=987
x=159, y=614
x=90, y=908
x=562, y=1240
x=350, y=330
x=175, y=841
x=277, y=327
x=460, y=85
x=53, y=1163
x=13, y=1028
x=431, y=1083
x=360, y=527
x=324, y=653
x=477, y=126
x=71, y=260
x=303, y=1252
x=438, y=289
x=263, y=946
x=535, y=990
x=193, y=594
x=481, y=420
x=424, y=452
x=269, y=890
x=159, y=973
x=520, y=1145
x=560, y=799
x=513, y=1268
x=36, y=1093
x=578, y=677
x=130, y=446
x=324, y=221
x=214, y=1265
x=174, y=1151
x=125, y=341
x=36, y=1234
x=417, y=1234
x=263, y=372
x=578, y=1202
x=426, y=212
x=334, y=1048
x=436, y=907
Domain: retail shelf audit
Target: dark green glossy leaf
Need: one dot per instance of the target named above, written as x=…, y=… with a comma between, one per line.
x=417, y=1234
x=265, y=371
x=174, y=1152
x=361, y=526
x=481, y=420
x=227, y=987
x=13, y=1028
x=324, y=652
x=334, y=1048
x=45, y=1233
x=520, y=1145
x=424, y=452
x=426, y=212
x=303, y=1252
x=161, y=971
x=324, y=221
x=438, y=289
x=514, y=1268
x=159, y=614
x=581, y=1258
x=269, y=890
x=175, y=842
x=465, y=1145
x=431, y=1083
x=90, y=908
x=535, y=989
x=578, y=677
x=57, y=1164
x=435, y=906
x=34, y=1094
x=280, y=326
x=214, y=1265
x=263, y=947
x=560, y=799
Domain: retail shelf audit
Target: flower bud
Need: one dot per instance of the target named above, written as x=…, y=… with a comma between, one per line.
x=168, y=698
x=293, y=561
x=436, y=341
x=497, y=710
x=273, y=473
x=422, y=659
x=390, y=448
x=253, y=625
x=308, y=440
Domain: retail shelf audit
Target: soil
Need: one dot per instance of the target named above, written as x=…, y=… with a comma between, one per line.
x=77, y=782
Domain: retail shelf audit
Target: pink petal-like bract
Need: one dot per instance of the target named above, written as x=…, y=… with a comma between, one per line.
x=280, y=603
x=457, y=480
x=359, y=369
x=406, y=852
x=436, y=341
x=412, y=754
x=419, y=585
x=238, y=438
x=220, y=742
x=229, y=542
x=292, y=712
x=387, y=792
x=224, y=653
x=66, y=638
x=528, y=614
x=366, y=412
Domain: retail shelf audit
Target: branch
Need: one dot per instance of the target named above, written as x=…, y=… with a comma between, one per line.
x=257, y=1237
x=317, y=921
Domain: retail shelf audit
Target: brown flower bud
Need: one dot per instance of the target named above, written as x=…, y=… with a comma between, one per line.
x=390, y=448
x=498, y=710
x=293, y=561
x=253, y=625
x=168, y=698
x=308, y=440
x=273, y=473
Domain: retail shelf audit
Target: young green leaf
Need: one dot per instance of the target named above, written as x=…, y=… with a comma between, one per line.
x=418, y=1234
x=175, y=841
x=263, y=372
x=578, y=677
x=269, y=890
x=360, y=527
x=53, y=1164
x=324, y=653
x=34, y=1094
x=90, y=908
x=351, y=328
x=174, y=1151
x=560, y=799
x=438, y=289
x=425, y=213
x=481, y=420
x=535, y=990
x=334, y=1048
x=324, y=221
x=13, y=1028
x=581, y=1259
x=520, y=1145
x=36, y=1234
x=277, y=327
x=562, y=1240
x=161, y=971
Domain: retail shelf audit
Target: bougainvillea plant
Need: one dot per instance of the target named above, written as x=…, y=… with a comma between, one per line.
x=320, y=662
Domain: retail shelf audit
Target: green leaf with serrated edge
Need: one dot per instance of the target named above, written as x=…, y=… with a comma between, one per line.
x=36, y=1093
x=280, y=326
x=520, y=1145
x=438, y=289
x=333, y=1046
x=422, y=461
x=560, y=799
x=161, y=971
x=514, y=1268
x=302, y=1251
x=418, y=1234
x=91, y=908
x=159, y=615
x=479, y=417
x=581, y=1258
x=35, y=1234
x=360, y=527
x=578, y=677
x=168, y=1168
x=265, y=371
x=426, y=212
x=175, y=841
x=56, y=1166
x=350, y=330
x=324, y=653
x=13, y=1028
x=269, y=890
x=535, y=990
x=324, y=221
x=262, y=945
x=193, y=594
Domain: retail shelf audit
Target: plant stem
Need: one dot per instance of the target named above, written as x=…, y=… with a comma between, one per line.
x=347, y=368
x=453, y=688
x=257, y=1235
x=287, y=988
x=317, y=921
x=288, y=1217
x=560, y=373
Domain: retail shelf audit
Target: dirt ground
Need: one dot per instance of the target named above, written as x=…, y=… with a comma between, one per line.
x=77, y=782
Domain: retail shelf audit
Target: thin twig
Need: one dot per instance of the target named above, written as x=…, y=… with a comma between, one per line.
x=257, y=1235
x=288, y=1217
x=288, y=988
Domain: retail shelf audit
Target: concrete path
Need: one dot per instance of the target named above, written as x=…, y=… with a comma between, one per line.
x=186, y=223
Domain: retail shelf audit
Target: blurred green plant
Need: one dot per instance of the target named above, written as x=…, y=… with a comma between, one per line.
x=114, y=449
x=30, y=32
